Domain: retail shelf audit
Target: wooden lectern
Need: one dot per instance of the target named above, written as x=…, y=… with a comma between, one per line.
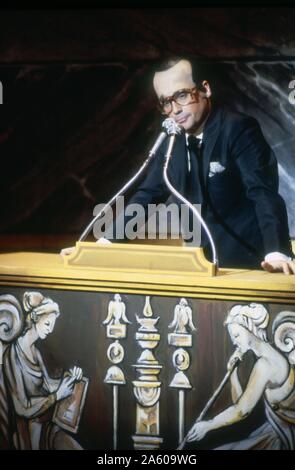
x=149, y=327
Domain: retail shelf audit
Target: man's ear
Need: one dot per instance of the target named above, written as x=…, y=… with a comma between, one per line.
x=206, y=86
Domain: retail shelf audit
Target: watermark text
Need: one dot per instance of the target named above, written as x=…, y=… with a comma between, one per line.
x=134, y=221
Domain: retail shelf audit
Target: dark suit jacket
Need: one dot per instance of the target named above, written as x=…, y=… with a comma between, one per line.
x=241, y=205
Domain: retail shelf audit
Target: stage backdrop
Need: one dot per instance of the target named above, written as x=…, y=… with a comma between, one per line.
x=78, y=112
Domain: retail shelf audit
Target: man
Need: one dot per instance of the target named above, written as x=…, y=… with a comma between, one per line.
x=240, y=201
x=232, y=174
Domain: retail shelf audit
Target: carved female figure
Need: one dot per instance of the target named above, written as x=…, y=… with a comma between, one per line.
x=272, y=376
x=33, y=392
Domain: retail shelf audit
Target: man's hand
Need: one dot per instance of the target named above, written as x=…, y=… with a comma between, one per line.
x=287, y=267
x=67, y=251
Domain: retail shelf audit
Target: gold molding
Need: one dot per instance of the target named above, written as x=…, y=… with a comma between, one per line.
x=44, y=270
x=140, y=258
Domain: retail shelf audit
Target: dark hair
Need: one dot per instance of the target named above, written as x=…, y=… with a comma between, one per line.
x=199, y=70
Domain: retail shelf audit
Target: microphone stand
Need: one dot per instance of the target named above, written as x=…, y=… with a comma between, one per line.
x=173, y=131
x=113, y=199
x=129, y=183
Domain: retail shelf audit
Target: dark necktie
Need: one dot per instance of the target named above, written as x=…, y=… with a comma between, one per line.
x=194, y=173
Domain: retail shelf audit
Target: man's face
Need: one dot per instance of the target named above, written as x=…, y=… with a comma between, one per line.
x=179, y=77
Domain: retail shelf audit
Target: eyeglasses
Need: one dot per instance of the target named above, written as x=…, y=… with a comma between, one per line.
x=181, y=97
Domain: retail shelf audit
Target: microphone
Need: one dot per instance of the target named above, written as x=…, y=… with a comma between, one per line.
x=163, y=135
x=171, y=128
x=158, y=143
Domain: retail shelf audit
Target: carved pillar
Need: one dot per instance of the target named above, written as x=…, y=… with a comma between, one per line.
x=180, y=339
x=115, y=353
x=147, y=388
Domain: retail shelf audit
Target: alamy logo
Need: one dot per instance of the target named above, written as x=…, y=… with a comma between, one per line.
x=134, y=221
x=1, y=93
x=292, y=93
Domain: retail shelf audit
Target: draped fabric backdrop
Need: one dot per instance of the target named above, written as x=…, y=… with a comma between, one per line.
x=78, y=112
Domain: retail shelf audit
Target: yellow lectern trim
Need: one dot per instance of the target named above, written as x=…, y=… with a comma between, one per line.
x=140, y=258
x=43, y=270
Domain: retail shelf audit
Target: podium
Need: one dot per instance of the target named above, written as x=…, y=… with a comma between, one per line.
x=147, y=326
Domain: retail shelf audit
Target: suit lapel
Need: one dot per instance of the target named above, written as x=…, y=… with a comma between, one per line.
x=211, y=131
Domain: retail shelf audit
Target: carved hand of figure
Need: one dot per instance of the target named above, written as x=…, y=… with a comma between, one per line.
x=234, y=359
x=198, y=431
x=66, y=387
x=76, y=373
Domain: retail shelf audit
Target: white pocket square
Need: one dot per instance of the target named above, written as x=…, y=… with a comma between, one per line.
x=215, y=167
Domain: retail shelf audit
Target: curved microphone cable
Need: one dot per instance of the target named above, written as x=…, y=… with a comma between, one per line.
x=151, y=155
x=173, y=129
